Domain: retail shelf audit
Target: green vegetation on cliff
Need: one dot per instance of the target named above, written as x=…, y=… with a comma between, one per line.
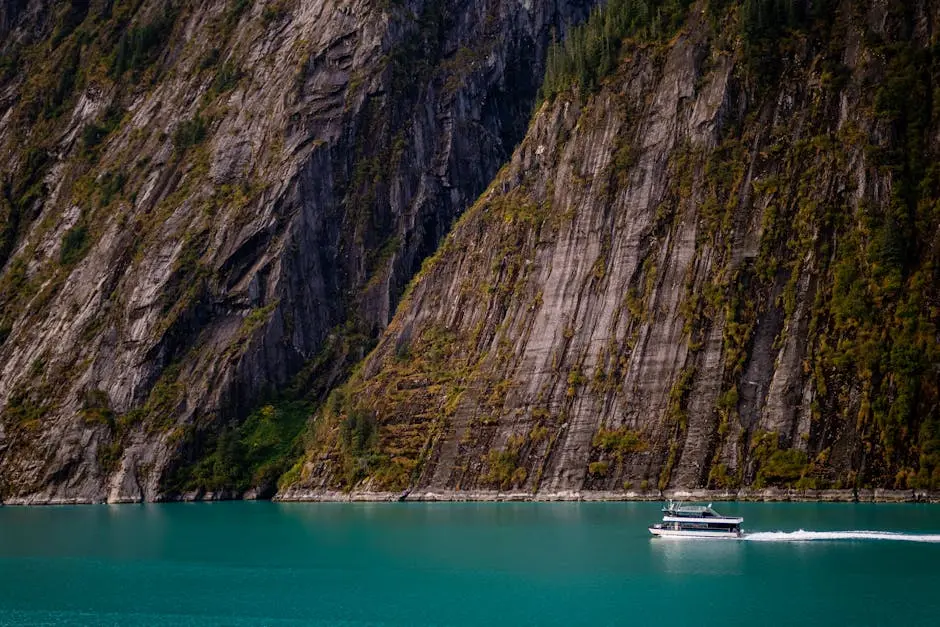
x=593, y=50
x=252, y=455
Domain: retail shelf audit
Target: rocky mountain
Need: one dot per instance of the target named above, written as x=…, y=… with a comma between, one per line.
x=713, y=262
x=207, y=205
x=328, y=246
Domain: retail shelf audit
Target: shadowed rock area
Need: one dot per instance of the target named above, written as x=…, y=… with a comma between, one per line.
x=201, y=198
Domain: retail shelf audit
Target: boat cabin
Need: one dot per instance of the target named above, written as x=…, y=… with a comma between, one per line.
x=697, y=521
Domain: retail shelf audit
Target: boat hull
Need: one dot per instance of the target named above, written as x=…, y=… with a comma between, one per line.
x=694, y=533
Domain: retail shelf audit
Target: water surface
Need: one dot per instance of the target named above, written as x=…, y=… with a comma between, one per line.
x=464, y=564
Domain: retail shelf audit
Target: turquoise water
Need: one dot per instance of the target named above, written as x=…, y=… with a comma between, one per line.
x=463, y=564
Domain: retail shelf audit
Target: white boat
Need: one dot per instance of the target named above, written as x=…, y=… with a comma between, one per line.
x=683, y=520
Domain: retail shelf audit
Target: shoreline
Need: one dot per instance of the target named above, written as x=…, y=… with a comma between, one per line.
x=767, y=495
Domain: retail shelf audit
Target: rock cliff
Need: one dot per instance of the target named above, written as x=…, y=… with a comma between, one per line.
x=716, y=265
x=202, y=200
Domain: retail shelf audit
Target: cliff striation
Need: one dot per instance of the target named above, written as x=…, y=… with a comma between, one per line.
x=202, y=200
x=714, y=265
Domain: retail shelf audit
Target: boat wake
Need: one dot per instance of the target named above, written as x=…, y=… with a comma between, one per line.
x=811, y=536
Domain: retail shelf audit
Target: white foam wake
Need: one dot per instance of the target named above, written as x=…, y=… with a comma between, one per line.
x=809, y=536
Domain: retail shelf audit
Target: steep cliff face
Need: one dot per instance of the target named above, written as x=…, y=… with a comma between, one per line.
x=718, y=269
x=200, y=198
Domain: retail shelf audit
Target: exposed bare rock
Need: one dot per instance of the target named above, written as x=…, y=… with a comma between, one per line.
x=204, y=192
